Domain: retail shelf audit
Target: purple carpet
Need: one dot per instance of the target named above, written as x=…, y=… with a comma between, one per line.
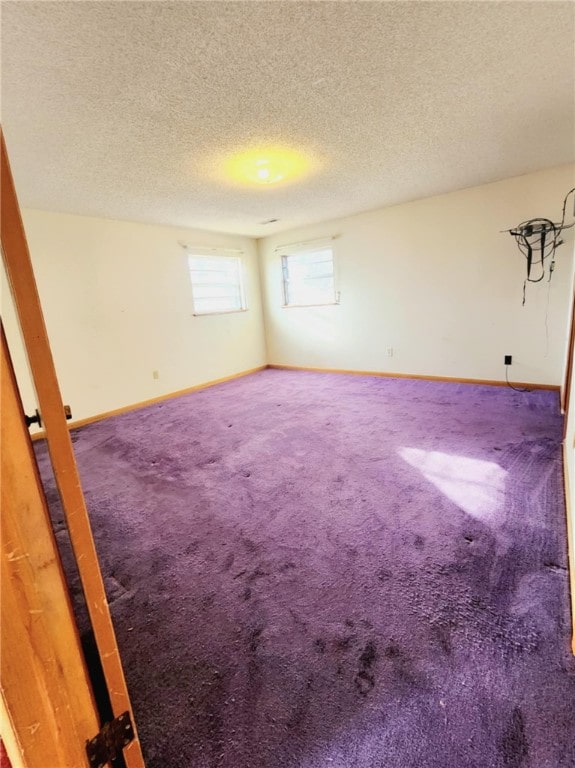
x=325, y=571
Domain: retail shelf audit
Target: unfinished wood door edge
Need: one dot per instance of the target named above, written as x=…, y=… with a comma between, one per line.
x=50, y=644
x=416, y=376
x=152, y=401
x=27, y=303
x=567, y=482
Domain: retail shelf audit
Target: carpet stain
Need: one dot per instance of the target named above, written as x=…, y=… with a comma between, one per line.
x=442, y=633
x=513, y=745
x=365, y=678
x=383, y=574
x=345, y=643
x=320, y=645
x=257, y=574
x=192, y=547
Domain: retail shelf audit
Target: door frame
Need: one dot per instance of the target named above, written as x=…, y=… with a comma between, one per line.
x=567, y=384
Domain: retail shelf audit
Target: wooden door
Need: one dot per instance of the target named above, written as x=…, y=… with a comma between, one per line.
x=45, y=687
x=22, y=282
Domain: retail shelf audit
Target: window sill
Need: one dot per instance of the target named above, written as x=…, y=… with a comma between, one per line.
x=222, y=312
x=300, y=306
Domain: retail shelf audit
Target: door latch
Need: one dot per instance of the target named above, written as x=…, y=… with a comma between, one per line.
x=37, y=418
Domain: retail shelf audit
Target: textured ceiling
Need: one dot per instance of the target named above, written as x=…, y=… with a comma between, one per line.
x=124, y=109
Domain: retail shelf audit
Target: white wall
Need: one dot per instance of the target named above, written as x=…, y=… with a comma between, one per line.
x=437, y=281
x=117, y=303
x=434, y=279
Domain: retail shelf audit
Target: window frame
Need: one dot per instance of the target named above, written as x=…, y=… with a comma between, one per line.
x=237, y=257
x=285, y=277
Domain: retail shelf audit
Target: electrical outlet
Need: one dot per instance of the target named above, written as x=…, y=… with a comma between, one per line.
x=507, y=359
x=155, y=374
x=390, y=351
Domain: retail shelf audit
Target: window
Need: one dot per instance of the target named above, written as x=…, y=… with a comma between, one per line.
x=308, y=278
x=216, y=284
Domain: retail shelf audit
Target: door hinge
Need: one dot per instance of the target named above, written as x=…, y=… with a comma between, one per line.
x=109, y=743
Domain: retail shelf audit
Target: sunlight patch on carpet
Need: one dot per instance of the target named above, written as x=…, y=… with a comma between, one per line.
x=475, y=485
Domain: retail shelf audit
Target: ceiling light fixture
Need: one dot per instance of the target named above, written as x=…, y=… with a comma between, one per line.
x=266, y=166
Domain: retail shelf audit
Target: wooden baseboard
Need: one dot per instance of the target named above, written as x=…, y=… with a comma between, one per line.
x=388, y=375
x=143, y=403
x=567, y=480
x=384, y=374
